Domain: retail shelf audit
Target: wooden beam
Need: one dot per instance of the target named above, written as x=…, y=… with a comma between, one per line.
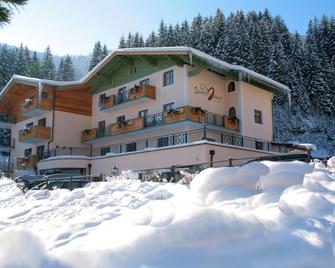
x=151, y=61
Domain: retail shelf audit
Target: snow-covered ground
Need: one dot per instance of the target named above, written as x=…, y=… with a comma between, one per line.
x=261, y=215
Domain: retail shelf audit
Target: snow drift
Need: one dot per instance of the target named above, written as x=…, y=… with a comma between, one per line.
x=260, y=215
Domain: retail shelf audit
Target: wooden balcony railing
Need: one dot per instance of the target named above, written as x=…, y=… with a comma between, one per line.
x=108, y=102
x=194, y=114
x=142, y=91
x=125, y=126
x=34, y=134
x=26, y=162
x=132, y=94
x=31, y=107
x=89, y=134
x=231, y=123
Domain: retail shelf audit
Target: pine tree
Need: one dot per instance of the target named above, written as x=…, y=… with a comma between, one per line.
x=60, y=71
x=20, y=64
x=184, y=39
x=195, y=31
x=48, y=69
x=68, y=69
x=96, y=55
x=151, y=40
x=122, y=43
x=162, y=35
x=104, y=52
x=33, y=69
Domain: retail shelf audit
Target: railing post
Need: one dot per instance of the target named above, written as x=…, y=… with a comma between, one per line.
x=205, y=132
x=242, y=141
x=186, y=139
x=70, y=150
x=120, y=148
x=146, y=144
x=173, y=141
x=221, y=137
x=230, y=162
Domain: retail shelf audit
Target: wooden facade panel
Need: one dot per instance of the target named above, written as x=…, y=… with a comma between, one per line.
x=74, y=101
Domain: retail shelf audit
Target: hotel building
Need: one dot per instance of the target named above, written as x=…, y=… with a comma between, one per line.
x=141, y=108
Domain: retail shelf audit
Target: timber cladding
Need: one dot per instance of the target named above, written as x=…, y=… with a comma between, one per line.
x=74, y=100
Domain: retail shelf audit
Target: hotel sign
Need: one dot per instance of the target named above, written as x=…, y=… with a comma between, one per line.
x=208, y=92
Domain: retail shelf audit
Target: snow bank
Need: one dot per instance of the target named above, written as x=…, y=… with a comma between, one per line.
x=259, y=215
x=331, y=162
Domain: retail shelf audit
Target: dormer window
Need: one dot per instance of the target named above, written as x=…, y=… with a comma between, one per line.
x=231, y=87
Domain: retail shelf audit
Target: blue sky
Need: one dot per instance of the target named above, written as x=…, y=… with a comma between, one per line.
x=73, y=26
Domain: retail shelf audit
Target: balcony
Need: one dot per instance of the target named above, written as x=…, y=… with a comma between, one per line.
x=126, y=126
x=26, y=162
x=231, y=123
x=35, y=134
x=181, y=114
x=35, y=107
x=6, y=121
x=88, y=135
x=137, y=93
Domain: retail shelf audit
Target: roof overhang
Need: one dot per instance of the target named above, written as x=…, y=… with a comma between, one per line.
x=187, y=55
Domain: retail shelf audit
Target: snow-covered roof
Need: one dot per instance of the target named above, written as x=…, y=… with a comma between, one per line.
x=191, y=52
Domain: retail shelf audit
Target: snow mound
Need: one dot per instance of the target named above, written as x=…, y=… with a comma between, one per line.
x=284, y=174
x=331, y=162
x=218, y=184
x=272, y=214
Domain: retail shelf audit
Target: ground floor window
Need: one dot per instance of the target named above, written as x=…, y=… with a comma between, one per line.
x=259, y=145
x=163, y=141
x=131, y=147
x=105, y=150
x=40, y=151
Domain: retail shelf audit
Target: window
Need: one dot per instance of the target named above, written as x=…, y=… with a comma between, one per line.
x=145, y=82
x=101, y=128
x=131, y=147
x=121, y=118
x=29, y=125
x=164, y=141
x=105, y=150
x=169, y=106
x=122, y=95
x=102, y=98
x=40, y=151
x=231, y=87
x=143, y=113
x=27, y=152
x=232, y=112
x=258, y=116
x=168, y=78
x=42, y=122
x=259, y=145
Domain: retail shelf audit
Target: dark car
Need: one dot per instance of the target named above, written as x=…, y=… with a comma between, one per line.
x=26, y=182
x=62, y=181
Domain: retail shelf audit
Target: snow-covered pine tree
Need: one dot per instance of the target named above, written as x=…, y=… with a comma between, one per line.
x=60, y=71
x=103, y=54
x=151, y=40
x=68, y=73
x=122, y=43
x=96, y=55
x=48, y=69
x=20, y=63
x=184, y=38
x=195, y=31
x=33, y=69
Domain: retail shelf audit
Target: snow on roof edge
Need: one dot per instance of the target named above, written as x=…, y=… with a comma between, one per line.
x=90, y=74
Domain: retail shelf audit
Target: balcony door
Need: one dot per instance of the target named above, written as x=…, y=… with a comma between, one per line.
x=101, y=128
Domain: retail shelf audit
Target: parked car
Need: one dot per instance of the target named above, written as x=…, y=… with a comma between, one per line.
x=68, y=181
x=26, y=182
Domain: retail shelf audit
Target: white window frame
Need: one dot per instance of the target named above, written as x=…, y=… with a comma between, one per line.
x=262, y=117
x=228, y=86
x=174, y=78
